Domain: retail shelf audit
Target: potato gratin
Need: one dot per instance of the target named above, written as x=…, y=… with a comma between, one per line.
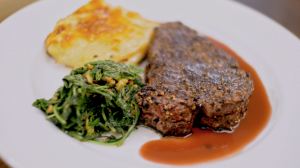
x=99, y=31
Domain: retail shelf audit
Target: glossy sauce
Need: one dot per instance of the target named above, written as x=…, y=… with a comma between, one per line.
x=205, y=145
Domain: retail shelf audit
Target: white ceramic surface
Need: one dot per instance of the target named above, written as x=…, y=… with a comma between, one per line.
x=28, y=140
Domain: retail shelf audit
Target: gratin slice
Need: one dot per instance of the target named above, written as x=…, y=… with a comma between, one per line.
x=99, y=31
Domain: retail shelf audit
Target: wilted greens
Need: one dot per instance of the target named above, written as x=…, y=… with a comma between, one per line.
x=96, y=98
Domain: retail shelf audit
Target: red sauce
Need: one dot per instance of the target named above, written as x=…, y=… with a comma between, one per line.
x=205, y=145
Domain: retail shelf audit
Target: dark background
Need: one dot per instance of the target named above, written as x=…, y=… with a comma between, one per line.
x=285, y=12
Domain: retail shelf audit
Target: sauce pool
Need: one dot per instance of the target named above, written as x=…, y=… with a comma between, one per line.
x=205, y=145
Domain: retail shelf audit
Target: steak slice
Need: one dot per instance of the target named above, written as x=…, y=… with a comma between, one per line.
x=191, y=82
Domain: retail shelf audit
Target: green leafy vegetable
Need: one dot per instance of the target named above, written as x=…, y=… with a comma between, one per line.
x=96, y=98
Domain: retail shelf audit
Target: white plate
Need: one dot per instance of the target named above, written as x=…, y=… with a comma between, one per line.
x=28, y=140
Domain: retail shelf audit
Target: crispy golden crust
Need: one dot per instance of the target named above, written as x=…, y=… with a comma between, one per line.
x=99, y=31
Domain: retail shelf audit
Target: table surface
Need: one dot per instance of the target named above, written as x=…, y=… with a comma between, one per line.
x=285, y=12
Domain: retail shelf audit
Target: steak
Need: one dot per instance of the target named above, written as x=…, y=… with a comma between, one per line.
x=191, y=82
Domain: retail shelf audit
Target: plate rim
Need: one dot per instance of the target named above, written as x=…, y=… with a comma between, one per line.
x=40, y=2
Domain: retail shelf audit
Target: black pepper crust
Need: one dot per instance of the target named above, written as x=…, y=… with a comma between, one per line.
x=191, y=82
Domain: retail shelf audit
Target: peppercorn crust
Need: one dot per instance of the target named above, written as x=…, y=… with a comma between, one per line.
x=99, y=31
x=191, y=82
